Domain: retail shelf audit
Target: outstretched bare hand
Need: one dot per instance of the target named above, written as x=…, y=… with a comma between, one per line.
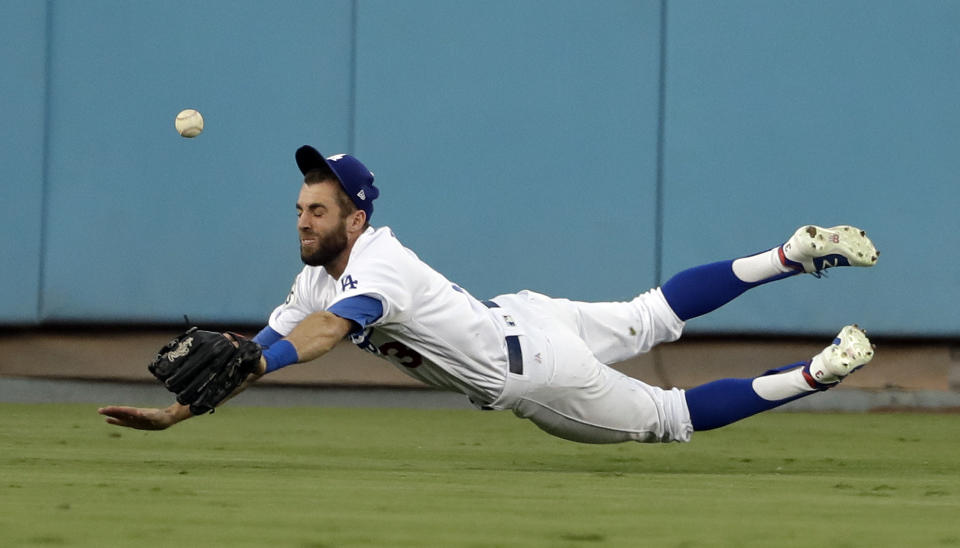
x=143, y=418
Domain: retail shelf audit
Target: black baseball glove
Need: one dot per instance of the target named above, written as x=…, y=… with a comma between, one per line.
x=204, y=367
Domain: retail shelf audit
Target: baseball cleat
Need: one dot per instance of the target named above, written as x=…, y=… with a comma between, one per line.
x=848, y=352
x=813, y=248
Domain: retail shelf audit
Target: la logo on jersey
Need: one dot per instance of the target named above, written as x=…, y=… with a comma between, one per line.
x=348, y=283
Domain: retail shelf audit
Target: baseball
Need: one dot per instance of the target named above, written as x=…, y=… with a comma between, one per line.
x=189, y=123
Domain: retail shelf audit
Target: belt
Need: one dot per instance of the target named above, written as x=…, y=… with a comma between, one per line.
x=514, y=354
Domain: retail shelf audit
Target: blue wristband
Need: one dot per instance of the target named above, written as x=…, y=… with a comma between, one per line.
x=280, y=354
x=267, y=336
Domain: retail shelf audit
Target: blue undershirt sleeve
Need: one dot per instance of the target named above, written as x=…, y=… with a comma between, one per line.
x=362, y=310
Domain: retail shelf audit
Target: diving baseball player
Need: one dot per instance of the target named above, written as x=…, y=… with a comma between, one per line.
x=546, y=359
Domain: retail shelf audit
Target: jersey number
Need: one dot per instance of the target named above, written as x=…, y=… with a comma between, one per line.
x=404, y=355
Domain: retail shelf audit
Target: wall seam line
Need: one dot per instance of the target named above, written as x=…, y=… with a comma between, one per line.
x=661, y=135
x=352, y=108
x=45, y=164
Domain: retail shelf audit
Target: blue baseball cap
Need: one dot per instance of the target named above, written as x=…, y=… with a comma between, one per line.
x=355, y=179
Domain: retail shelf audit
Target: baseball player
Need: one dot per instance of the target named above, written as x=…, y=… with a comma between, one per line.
x=546, y=359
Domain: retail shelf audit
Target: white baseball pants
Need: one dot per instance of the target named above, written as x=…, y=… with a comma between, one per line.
x=567, y=388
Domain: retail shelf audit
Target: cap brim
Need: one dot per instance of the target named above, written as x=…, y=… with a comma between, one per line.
x=308, y=158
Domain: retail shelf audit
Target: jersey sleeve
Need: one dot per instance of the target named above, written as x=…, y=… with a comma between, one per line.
x=310, y=293
x=382, y=272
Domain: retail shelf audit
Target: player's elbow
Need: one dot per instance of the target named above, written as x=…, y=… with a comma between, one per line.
x=335, y=329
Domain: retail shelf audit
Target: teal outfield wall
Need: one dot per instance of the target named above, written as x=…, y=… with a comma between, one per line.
x=583, y=149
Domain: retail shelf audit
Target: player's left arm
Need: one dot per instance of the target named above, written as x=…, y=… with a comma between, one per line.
x=320, y=331
x=313, y=337
x=317, y=334
x=146, y=418
x=149, y=418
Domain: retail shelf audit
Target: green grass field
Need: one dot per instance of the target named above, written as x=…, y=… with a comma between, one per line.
x=317, y=477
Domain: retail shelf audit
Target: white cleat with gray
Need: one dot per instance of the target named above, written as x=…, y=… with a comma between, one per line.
x=849, y=351
x=814, y=248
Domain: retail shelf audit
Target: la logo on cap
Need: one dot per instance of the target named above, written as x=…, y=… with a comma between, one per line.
x=336, y=157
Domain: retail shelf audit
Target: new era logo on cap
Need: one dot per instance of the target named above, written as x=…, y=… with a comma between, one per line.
x=362, y=195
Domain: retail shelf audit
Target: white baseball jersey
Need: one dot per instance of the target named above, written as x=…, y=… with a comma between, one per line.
x=555, y=373
x=430, y=329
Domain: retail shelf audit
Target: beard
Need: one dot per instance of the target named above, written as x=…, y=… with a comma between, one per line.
x=328, y=247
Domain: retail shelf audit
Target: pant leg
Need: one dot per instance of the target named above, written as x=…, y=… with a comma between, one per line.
x=566, y=391
x=616, y=331
x=612, y=409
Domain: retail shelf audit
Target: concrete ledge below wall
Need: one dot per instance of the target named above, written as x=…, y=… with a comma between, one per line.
x=97, y=393
x=116, y=355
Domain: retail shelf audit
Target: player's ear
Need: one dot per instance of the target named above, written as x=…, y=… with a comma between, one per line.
x=357, y=220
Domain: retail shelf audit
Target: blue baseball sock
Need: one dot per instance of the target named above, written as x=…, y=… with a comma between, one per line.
x=701, y=289
x=724, y=401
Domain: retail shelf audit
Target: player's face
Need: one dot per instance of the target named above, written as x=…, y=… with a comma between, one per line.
x=322, y=228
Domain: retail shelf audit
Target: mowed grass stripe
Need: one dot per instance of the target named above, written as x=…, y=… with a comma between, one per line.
x=250, y=476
